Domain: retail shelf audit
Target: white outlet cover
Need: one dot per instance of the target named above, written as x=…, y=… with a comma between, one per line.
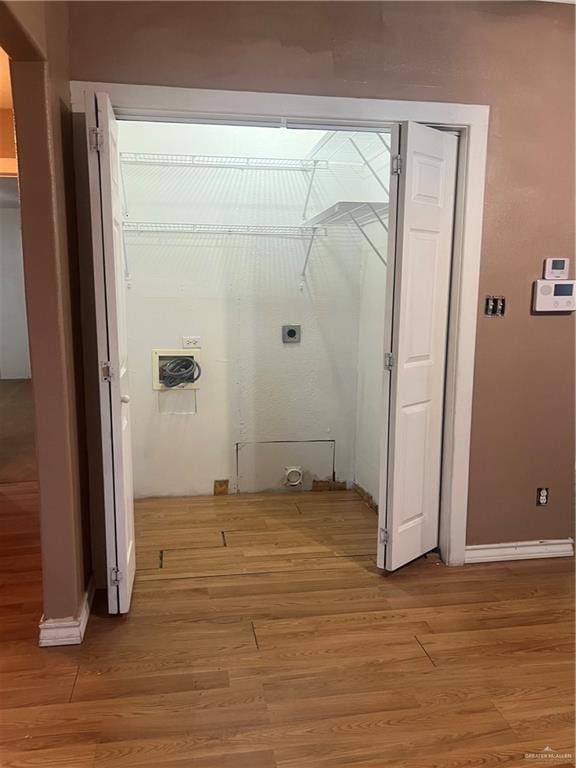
x=190, y=341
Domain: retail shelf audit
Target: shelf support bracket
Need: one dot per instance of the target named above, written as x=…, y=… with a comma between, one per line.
x=368, y=240
x=307, y=259
x=380, y=219
x=368, y=165
x=309, y=192
x=383, y=140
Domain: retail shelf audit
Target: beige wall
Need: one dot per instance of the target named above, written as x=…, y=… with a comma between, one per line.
x=517, y=57
x=36, y=38
x=32, y=18
x=7, y=139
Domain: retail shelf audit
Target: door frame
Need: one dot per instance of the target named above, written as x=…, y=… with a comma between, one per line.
x=470, y=121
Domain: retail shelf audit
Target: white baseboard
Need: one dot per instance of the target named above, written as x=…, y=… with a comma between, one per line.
x=519, y=550
x=70, y=630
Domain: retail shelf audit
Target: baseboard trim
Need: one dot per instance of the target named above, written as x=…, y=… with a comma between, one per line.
x=70, y=630
x=519, y=550
x=366, y=497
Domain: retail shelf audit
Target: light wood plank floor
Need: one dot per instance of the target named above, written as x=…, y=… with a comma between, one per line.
x=263, y=636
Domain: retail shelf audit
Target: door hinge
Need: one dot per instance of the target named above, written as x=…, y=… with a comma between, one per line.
x=96, y=139
x=106, y=371
x=388, y=361
x=384, y=536
x=396, y=165
x=115, y=577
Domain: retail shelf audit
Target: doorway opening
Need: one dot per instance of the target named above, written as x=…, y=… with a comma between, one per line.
x=17, y=452
x=20, y=542
x=399, y=211
x=261, y=254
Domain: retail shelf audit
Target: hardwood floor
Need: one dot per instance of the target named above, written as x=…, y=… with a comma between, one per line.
x=263, y=636
x=17, y=449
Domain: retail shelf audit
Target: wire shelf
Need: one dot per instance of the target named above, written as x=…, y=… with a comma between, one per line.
x=342, y=212
x=221, y=161
x=224, y=229
x=346, y=213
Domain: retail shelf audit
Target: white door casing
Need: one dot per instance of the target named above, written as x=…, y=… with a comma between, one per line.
x=144, y=102
x=421, y=252
x=109, y=273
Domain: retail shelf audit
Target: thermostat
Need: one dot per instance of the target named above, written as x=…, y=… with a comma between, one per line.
x=556, y=269
x=554, y=296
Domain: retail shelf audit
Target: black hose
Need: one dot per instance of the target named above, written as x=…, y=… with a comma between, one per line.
x=180, y=370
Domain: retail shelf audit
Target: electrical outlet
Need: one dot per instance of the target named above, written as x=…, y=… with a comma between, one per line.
x=190, y=341
x=542, y=496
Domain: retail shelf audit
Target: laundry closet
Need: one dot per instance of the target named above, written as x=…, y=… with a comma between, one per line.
x=255, y=272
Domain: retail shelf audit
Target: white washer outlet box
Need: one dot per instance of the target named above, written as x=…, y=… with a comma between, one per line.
x=160, y=356
x=190, y=341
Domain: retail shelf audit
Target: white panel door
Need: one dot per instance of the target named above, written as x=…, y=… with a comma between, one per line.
x=109, y=273
x=422, y=255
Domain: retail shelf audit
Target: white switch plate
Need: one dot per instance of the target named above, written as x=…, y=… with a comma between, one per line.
x=190, y=341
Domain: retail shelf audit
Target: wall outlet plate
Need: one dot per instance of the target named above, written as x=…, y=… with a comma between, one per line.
x=190, y=341
x=542, y=497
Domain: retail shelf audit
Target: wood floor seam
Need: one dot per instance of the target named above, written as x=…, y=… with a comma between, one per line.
x=74, y=685
x=255, y=635
x=425, y=651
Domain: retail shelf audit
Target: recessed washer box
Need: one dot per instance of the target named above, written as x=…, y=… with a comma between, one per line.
x=162, y=356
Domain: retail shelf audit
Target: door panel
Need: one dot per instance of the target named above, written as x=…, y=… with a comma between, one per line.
x=110, y=299
x=410, y=499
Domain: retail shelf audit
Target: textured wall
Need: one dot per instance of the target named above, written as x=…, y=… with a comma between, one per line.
x=35, y=35
x=8, y=165
x=7, y=145
x=518, y=57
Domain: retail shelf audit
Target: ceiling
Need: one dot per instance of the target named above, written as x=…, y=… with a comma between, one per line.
x=5, y=89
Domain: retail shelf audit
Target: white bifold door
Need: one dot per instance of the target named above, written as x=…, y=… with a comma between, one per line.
x=422, y=191
x=109, y=284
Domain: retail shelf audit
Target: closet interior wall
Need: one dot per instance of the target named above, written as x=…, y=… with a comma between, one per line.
x=262, y=405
